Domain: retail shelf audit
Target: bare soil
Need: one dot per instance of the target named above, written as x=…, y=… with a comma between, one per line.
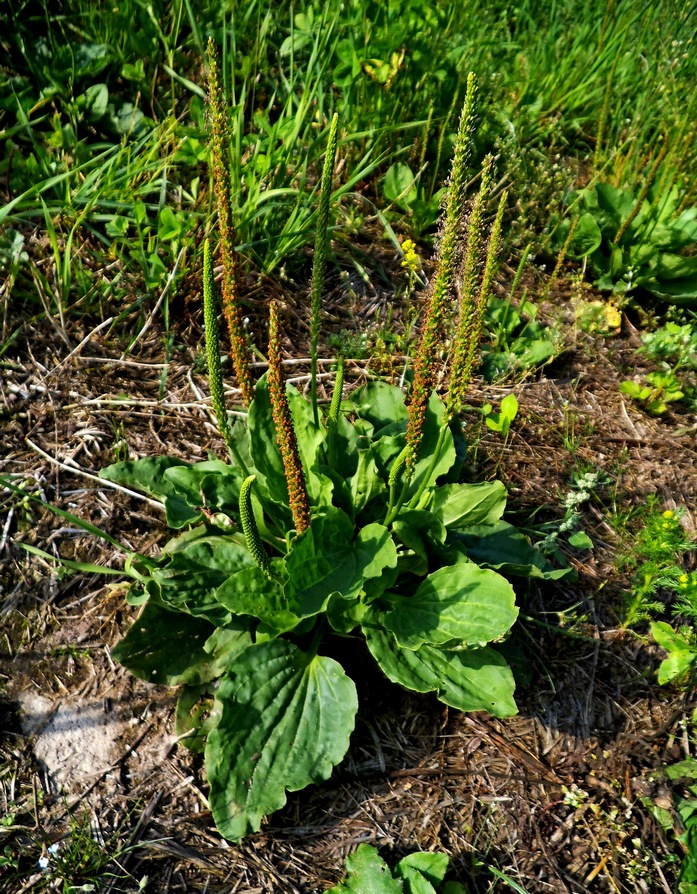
x=558, y=798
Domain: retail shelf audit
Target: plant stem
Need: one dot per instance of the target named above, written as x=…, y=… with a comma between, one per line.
x=215, y=376
x=432, y=465
x=320, y=258
x=650, y=177
x=334, y=407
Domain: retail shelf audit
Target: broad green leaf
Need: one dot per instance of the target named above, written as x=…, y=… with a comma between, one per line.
x=326, y=559
x=533, y=352
x=285, y=722
x=381, y=404
x=419, y=531
x=221, y=493
x=399, y=185
x=414, y=881
x=344, y=615
x=385, y=450
x=367, y=874
x=675, y=267
x=187, y=479
x=250, y=592
x=345, y=447
x=196, y=567
x=686, y=769
x=667, y=638
x=580, y=540
x=373, y=587
x=194, y=717
x=170, y=647
x=463, y=505
x=341, y=493
x=93, y=102
x=431, y=866
x=266, y=456
x=470, y=679
x=503, y=548
x=587, y=237
x=460, y=446
x=681, y=291
x=145, y=475
x=366, y=483
x=459, y=602
x=310, y=439
x=675, y=665
x=423, y=470
x=149, y=476
x=616, y=202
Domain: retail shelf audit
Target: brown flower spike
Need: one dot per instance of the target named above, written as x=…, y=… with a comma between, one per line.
x=285, y=433
x=219, y=118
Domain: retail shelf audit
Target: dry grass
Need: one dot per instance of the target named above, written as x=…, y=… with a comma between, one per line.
x=557, y=798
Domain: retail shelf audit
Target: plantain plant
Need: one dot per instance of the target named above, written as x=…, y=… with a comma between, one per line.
x=347, y=523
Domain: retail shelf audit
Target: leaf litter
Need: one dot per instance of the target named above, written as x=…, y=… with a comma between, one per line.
x=556, y=798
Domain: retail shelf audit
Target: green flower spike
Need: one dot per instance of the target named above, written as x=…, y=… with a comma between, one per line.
x=474, y=301
x=250, y=530
x=335, y=405
x=442, y=291
x=320, y=257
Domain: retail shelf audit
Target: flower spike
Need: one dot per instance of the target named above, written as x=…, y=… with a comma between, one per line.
x=443, y=285
x=250, y=530
x=219, y=119
x=285, y=433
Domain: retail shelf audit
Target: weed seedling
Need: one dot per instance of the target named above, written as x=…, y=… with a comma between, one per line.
x=654, y=564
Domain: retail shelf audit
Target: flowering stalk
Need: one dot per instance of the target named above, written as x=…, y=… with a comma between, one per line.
x=250, y=530
x=473, y=301
x=333, y=414
x=443, y=285
x=285, y=433
x=215, y=376
x=320, y=258
x=650, y=177
x=219, y=118
x=335, y=405
x=470, y=326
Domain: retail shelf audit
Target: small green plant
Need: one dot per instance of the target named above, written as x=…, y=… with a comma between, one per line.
x=407, y=192
x=657, y=390
x=583, y=488
x=419, y=873
x=674, y=347
x=516, y=341
x=502, y=420
x=681, y=646
x=654, y=565
x=683, y=821
x=637, y=242
x=82, y=859
x=680, y=640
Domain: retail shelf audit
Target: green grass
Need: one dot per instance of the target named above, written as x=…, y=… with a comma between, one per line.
x=103, y=115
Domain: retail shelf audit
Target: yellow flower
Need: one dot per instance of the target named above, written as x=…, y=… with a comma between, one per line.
x=411, y=259
x=668, y=513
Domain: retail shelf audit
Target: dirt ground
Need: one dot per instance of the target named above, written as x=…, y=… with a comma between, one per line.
x=558, y=798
